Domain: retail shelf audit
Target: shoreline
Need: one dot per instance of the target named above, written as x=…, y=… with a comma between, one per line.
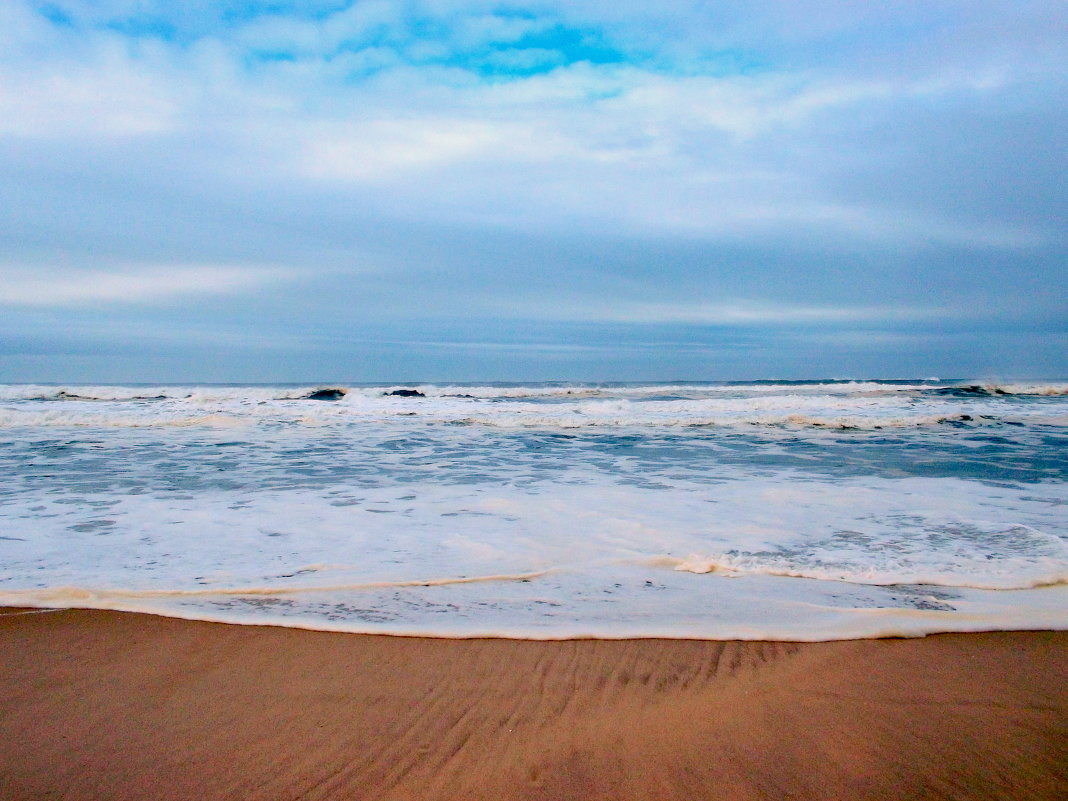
x=739, y=634
x=119, y=705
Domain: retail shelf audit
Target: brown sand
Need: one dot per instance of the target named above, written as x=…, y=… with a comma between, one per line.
x=123, y=706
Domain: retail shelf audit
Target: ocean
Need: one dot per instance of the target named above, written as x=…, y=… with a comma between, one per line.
x=801, y=510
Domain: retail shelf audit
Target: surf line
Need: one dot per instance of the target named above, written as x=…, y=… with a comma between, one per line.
x=35, y=611
x=83, y=594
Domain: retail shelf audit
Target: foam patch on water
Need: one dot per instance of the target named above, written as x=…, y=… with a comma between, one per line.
x=579, y=544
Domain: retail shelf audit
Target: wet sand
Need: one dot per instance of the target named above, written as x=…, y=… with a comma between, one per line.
x=108, y=705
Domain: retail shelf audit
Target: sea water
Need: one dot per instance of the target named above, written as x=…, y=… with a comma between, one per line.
x=770, y=510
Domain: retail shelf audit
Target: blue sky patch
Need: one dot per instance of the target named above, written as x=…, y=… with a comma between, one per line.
x=536, y=52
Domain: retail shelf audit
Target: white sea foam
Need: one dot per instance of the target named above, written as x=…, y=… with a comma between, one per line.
x=588, y=555
x=863, y=405
x=257, y=393
x=755, y=511
x=198, y=393
x=1033, y=572
x=1029, y=389
x=749, y=608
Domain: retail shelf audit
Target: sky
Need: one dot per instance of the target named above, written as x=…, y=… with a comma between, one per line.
x=435, y=190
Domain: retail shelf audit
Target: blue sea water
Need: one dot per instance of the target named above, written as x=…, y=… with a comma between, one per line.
x=782, y=510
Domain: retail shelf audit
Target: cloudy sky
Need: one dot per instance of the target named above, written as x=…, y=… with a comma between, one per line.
x=317, y=190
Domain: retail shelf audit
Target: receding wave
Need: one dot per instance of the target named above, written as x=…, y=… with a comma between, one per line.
x=817, y=618
x=1049, y=575
x=76, y=596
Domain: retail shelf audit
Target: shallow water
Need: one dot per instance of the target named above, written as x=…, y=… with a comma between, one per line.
x=793, y=510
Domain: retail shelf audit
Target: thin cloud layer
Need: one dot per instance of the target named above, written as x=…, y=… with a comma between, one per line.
x=134, y=284
x=547, y=170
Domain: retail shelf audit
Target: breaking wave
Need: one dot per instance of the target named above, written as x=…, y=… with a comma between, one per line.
x=1002, y=390
x=866, y=405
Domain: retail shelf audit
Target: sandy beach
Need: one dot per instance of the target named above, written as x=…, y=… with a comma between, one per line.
x=108, y=705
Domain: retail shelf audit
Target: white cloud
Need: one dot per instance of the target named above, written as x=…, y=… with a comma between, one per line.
x=111, y=94
x=378, y=150
x=43, y=286
x=524, y=58
x=391, y=151
x=481, y=29
x=637, y=148
x=321, y=38
x=727, y=313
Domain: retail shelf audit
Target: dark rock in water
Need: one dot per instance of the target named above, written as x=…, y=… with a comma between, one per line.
x=406, y=393
x=325, y=394
x=965, y=417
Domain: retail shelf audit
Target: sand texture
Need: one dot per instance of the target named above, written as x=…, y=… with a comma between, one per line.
x=106, y=705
